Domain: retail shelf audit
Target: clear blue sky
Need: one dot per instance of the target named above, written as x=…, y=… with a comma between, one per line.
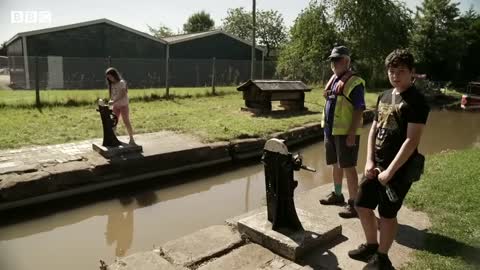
x=138, y=13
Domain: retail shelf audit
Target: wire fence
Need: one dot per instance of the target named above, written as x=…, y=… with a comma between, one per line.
x=80, y=73
x=56, y=72
x=156, y=78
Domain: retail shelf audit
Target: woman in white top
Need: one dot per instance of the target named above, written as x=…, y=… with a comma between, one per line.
x=117, y=88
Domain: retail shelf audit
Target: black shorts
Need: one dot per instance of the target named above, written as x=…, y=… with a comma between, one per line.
x=372, y=194
x=337, y=151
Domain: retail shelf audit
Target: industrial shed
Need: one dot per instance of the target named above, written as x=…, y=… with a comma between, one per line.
x=76, y=55
x=192, y=57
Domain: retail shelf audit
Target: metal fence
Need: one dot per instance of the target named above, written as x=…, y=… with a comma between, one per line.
x=56, y=72
x=3, y=62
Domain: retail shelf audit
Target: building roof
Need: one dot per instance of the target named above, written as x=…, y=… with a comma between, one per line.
x=275, y=85
x=187, y=37
x=87, y=23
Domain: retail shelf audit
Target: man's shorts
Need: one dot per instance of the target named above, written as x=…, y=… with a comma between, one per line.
x=337, y=151
x=371, y=193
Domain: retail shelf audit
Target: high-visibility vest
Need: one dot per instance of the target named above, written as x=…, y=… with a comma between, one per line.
x=343, y=114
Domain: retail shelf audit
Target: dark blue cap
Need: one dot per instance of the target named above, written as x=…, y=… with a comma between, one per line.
x=339, y=51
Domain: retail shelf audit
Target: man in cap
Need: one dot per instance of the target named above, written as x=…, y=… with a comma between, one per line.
x=342, y=120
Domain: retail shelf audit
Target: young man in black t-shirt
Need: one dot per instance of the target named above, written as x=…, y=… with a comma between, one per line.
x=400, y=117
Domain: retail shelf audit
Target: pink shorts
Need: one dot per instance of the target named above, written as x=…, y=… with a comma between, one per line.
x=121, y=111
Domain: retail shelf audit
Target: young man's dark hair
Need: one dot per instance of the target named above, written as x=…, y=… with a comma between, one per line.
x=400, y=57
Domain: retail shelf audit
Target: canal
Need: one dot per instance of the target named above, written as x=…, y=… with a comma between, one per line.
x=76, y=233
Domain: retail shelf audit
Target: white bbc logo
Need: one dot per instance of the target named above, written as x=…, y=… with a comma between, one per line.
x=30, y=16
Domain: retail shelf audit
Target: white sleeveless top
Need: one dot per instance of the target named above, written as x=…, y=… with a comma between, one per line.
x=119, y=88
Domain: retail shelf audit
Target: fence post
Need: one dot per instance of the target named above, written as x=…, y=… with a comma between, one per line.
x=37, y=83
x=213, y=75
x=167, y=65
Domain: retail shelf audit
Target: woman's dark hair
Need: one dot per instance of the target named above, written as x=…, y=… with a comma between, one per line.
x=400, y=57
x=114, y=72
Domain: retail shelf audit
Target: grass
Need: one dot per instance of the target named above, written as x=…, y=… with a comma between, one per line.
x=449, y=194
x=211, y=118
x=452, y=92
x=26, y=98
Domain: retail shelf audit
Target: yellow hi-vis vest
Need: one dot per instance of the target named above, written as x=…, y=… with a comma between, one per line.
x=343, y=114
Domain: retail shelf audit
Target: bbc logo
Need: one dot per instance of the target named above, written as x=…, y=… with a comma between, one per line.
x=30, y=17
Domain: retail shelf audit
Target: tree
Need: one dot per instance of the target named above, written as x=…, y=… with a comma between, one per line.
x=161, y=31
x=198, y=22
x=372, y=29
x=437, y=42
x=312, y=38
x=470, y=31
x=239, y=23
x=270, y=28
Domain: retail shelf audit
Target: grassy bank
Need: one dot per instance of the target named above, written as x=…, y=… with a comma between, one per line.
x=211, y=118
x=25, y=98
x=449, y=194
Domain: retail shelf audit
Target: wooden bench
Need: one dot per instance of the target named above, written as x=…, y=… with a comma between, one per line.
x=259, y=94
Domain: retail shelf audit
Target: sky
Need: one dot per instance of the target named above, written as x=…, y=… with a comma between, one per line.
x=138, y=14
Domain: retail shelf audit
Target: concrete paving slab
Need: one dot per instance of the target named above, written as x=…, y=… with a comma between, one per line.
x=291, y=245
x=250, y=256
x=122, y=149
x=233, y=222
x=143, y=261
x=202, y=245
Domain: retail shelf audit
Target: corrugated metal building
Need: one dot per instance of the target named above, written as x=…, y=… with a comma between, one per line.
x=206, y=45
x=192, y=57
x=75, y=56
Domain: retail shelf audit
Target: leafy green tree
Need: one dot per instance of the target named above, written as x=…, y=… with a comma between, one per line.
x=437, y=40
x=161, y=31
x=270, y=28
x=199, y=22
x=238, y=22
x=312, y=37
x=372, y=29
x=469, y=25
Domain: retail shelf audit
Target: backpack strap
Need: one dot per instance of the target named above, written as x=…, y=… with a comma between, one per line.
x=327, y=90
x=330, y=82
x=341, y=83
x=339, y=87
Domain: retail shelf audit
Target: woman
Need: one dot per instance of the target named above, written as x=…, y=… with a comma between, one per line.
x=117, y=89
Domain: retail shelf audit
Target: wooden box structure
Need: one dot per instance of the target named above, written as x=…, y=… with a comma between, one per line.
x=259, y=94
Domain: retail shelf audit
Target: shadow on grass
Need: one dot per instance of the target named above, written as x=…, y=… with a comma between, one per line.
x=437, y=244
x=279, y=114
x=146, y=98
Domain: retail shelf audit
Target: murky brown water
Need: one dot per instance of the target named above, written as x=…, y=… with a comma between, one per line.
x=77, y=238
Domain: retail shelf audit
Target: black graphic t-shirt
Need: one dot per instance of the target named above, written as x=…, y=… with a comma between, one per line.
x=393, y=116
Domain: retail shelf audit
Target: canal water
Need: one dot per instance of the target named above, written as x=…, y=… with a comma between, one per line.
x=76, y=233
